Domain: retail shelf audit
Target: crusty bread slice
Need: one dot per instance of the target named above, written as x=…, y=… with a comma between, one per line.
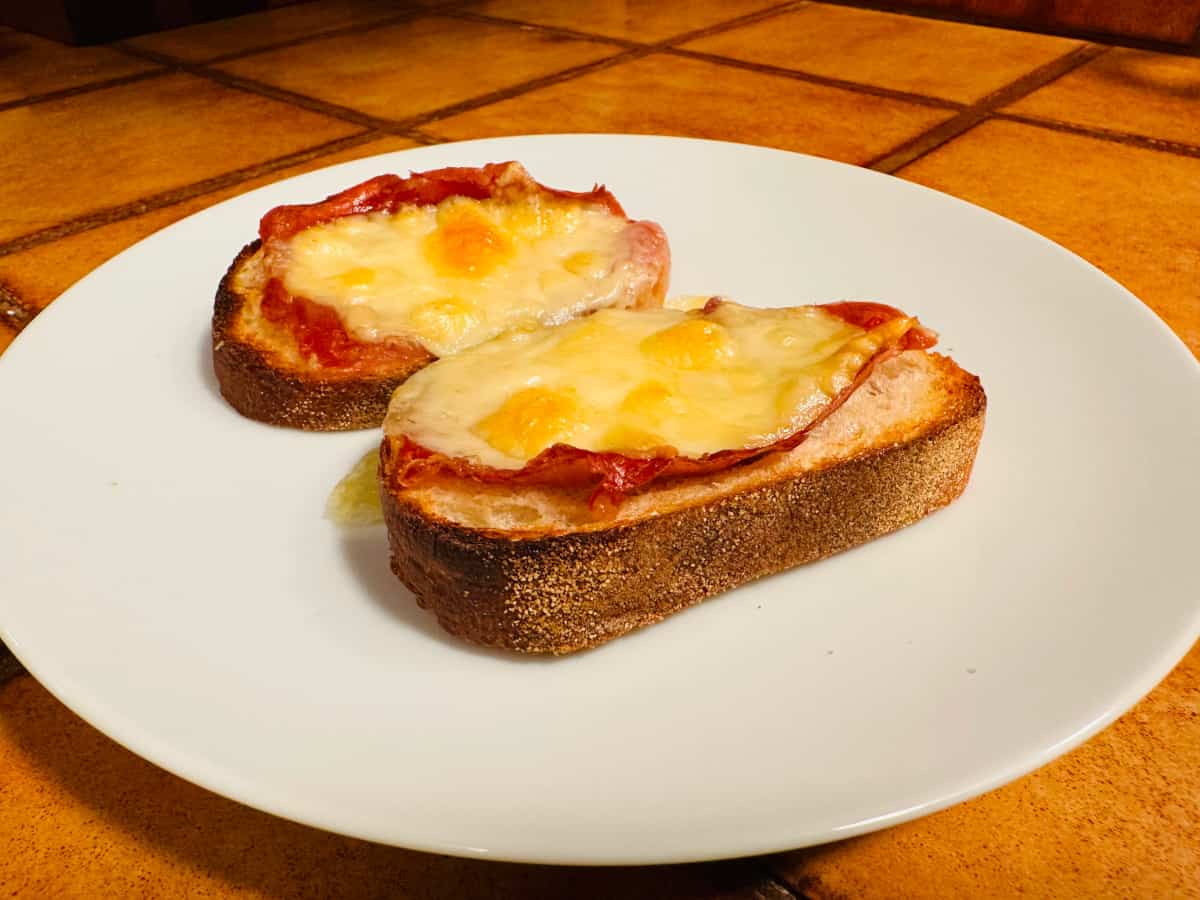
x=530, y=569
x=264, y=376
x=258, y=359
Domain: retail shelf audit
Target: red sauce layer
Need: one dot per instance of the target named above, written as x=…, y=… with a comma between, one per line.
x=613, y=476
x=318, y=329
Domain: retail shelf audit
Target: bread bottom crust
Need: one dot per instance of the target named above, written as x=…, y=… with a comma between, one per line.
x=561, y=593
x=257, y=381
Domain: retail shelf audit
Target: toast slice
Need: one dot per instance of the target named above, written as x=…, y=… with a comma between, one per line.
x=339, y=302
x=530, y=568
x=264, y=375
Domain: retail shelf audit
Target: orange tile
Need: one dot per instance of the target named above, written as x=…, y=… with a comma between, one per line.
x=6, y=337
x=31, y=65
x=83, y=817
x=1111, y=819
x=1132, y=212
x=1151, y=94
x=400, y=70
x=66, y=158
x=40, y=274
x=235, y=35
x=668, y=95
x=635, y=20
x=905, y=53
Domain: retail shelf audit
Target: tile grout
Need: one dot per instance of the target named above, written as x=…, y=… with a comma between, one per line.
x=312, y=37
x=633, y=51
x=525, y=87
x=750, y=18
x=1145, y=142
x=469, y=15
x=406, y=127
x=915, y=148
x=813, y=78
x=179, y=194
x=300, y=40
x=262, y=89
x=967, y=118
x=86, y=88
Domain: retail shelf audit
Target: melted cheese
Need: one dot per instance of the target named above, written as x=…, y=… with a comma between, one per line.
x=619, y=380
x=355, y=499
x=455, y=274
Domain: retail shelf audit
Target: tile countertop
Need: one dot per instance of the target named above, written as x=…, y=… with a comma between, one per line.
x=1096, y=147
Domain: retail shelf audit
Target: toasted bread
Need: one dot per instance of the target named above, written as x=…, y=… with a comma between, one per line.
x=266, y=368
x=530, y=568
x=263, y=375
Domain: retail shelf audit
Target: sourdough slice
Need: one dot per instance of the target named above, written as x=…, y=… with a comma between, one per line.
x=263, y=376
x=267, y=371
x=530, y=569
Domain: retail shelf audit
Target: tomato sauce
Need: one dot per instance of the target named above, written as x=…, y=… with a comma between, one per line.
x=613, y=476
x=319, y=332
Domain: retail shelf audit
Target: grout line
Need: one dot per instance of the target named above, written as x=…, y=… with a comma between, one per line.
x=374, y=126
x=405, y=127
x=750, y=18
x=1042, y=76
x=469, y=15
x=177, y=195
x=914, y=149
x=524, y=87
x=300, y=40
x=801, y=75
x=78, y=89
x=964, y=16
x=667, y=42
x=736, y=22
x=15, y=313
x=927, y=142
x=633, y=52
x=336, y=31
x=1118, y=137
x=251, y=86
x=424, y=137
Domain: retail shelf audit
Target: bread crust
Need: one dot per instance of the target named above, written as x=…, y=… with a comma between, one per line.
x=260, y=382
x=559, y=593
x=259, y=365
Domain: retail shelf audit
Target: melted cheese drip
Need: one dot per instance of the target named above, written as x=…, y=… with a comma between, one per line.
x=626, y=381
x=355, y=499
x=463, y=271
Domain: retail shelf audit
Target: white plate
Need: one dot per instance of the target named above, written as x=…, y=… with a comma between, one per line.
x=168, y=574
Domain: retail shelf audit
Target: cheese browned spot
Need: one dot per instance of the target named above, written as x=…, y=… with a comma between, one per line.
x=462, y=271
x=700, y=382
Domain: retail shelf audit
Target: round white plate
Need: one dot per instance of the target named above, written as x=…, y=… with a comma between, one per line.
x=169, y=575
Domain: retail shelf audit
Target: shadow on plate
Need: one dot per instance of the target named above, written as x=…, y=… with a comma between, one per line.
x=365, y=550
x=207, y=376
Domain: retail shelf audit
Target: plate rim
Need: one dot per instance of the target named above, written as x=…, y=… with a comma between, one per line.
x=179, y=761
